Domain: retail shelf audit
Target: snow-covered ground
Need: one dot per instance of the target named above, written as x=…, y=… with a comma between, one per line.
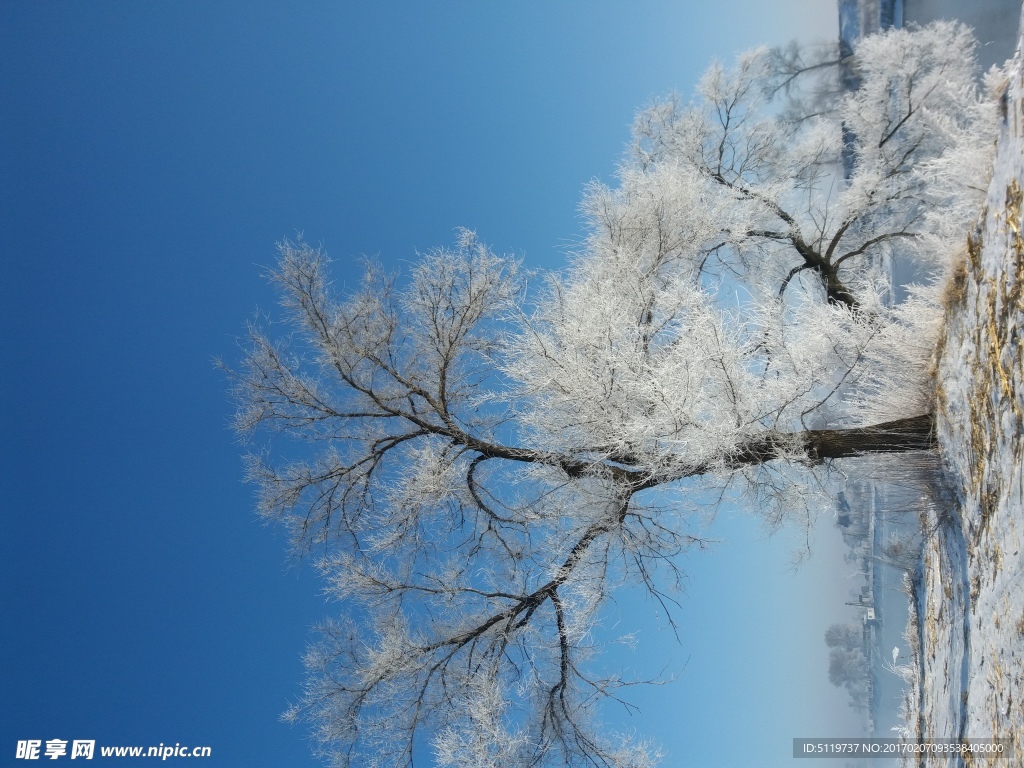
x=969, y=597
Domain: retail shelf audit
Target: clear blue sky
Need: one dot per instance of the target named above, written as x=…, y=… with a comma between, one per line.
x=150, y=156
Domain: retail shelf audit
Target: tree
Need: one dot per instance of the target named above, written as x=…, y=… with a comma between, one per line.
x=847, y=664
x=847, y=667
x=844, y=636
x=487, y=458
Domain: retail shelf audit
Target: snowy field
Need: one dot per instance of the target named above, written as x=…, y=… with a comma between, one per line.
x=969, y=631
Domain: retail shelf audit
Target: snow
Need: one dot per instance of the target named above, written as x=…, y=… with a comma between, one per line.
x=968, y=635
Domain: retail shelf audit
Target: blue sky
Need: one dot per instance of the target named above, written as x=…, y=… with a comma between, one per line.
x=152, y=154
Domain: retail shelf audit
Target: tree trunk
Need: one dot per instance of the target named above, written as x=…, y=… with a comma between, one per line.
x=916, y=433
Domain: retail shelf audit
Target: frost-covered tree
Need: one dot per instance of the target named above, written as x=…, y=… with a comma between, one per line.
x=846, y=636
x=849, y=669
x=480, y=457
x=847, y=664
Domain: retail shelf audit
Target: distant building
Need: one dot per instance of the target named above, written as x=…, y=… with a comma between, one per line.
x=859, y=18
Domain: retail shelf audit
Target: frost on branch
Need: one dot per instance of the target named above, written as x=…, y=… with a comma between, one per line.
x=918, y=131
x=477, y=461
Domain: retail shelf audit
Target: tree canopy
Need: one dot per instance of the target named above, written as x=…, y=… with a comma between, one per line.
x=480, y=454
